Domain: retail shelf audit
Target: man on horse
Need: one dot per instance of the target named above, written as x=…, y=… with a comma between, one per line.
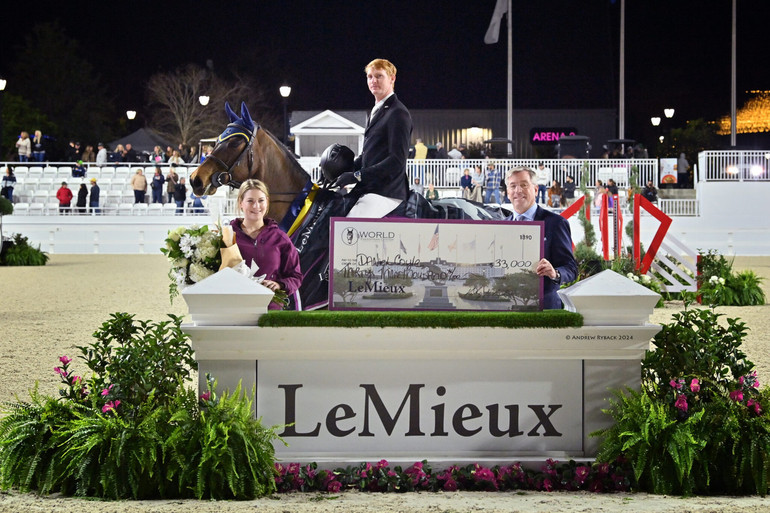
x=379, y=173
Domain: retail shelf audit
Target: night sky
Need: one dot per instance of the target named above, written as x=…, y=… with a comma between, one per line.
x=566, y=53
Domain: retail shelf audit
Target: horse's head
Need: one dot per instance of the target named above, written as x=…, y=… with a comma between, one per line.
x=231, y=159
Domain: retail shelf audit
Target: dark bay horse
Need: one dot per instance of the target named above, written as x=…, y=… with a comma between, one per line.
x=301, y=208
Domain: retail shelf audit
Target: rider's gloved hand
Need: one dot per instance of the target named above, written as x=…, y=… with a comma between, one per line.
x=345, y=179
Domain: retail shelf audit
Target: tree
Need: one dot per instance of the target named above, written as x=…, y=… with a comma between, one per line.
x=51, y=77
x=177, y=113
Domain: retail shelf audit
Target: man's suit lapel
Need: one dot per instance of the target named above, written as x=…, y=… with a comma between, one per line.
x=380, y=112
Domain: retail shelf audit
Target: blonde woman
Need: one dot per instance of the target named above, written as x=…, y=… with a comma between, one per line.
x=261, y=241
x=25, y=147
x=38, y=147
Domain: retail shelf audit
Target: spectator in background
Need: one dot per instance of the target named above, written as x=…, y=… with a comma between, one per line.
x=555, y=194
x=156, y=157
x=78, y=170
x=184, y=152
x=441, y=152
x=119, y=155
x=417, y=186
x=139, y=185
x=101, y=155
x=38, y=147
x=71, y=154
x=543, y=179
x=94, y=200
x=169, y=152
x=180, y=194
x=171, y=180
x=24, y=146
x=9, y=182
x=88, y=154
x=682, y=172
x=192, y=156
x=650, y=193
x=463, y=150
x=64, y=195
x=420, y=153
x=471, y=188
x=492, y=184
x=176, y=158
x=569, y=191
x=454, y=153
x=157, y=186
x=130, y=155
x=432, y=193
x=82, y=198
x=612, y=187
x=197, y=204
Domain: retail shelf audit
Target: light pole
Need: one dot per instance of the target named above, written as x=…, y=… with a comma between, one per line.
x=204, y=100
x=285, y=91
x=130, y=114
x=3, y=83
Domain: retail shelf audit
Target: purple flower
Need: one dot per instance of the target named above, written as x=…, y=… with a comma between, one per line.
x=695, y=385
x=65, y=360
x=547, y=485
x=205, y=396
x=382, y=464
x=681, y=402
x=736, y=395
x=334, y=486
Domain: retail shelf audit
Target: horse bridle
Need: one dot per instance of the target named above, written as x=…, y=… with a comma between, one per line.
x=225, y=176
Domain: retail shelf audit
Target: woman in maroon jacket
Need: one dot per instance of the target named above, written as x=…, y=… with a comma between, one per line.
x=261, y=241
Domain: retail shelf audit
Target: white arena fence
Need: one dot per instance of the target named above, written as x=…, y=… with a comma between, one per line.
x=35, y=192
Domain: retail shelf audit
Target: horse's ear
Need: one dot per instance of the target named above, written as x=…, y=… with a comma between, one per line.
x=246, y=117
x=230, y=114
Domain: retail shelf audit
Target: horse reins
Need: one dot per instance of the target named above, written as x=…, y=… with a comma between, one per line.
x=225, y=177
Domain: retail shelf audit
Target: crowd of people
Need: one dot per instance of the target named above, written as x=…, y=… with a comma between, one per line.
x=38, y=149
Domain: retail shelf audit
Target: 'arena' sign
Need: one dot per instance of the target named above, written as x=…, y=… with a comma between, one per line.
x=549, y=135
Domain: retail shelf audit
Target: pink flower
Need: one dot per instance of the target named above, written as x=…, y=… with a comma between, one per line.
x=450, y=485
x=382, y=464
x=681, y=402
x=547, y=485
x=736, y=395
x=61, y=372
x=110, y=406
x=695, y=385
x=334, y=486
x=65, y=360
x=581, y=473
x=106, y=391
x=205, y=396
x=755, y=404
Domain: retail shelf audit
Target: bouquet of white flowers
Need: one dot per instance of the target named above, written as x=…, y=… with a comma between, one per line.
x=194, y=255
x=196, y=252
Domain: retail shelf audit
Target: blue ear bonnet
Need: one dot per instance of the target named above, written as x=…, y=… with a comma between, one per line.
x=243, y=125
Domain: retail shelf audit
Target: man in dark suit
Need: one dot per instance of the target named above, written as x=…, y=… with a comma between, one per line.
x=558, y=265
x=379, y=172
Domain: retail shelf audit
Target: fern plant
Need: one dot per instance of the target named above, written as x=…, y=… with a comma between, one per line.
x=699, y=424
x=21, y=253
x=133, y=430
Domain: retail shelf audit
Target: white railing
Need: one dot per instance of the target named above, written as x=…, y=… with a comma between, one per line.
x=734, y=166
x=680, y=207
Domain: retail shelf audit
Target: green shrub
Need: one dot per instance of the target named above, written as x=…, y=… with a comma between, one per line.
x=21, y=253
x=133, y=430
x=699, y=424
x=720, y=285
